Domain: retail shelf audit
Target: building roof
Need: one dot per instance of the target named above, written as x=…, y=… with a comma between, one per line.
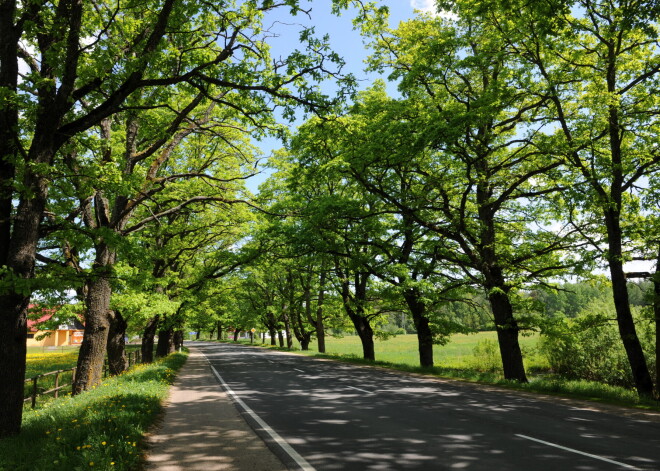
x=35, y=324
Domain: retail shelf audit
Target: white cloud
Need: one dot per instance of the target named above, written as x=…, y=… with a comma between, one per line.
x=429, y=7
x=425, y=6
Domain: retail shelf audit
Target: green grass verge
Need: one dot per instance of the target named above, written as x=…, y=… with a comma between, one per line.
x=99, y=429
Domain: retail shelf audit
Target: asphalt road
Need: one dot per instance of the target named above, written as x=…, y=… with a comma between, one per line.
x=342, y=417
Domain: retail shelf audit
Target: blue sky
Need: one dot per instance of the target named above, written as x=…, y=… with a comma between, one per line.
x=343, y=38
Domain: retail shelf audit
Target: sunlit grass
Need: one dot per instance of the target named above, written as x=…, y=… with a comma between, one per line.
x=39, y=363
x=99, y=429
x=462, y=352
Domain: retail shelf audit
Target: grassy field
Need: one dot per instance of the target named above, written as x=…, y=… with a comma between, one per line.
x=43, y=361
x=478, y=351
x=476, y=357
x=52, y=360
x=100, y=429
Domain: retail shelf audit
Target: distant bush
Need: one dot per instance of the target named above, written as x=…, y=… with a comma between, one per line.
x=589, y=347
x=486, y=356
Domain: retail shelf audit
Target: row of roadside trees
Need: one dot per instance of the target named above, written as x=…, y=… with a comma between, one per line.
x=125, y=139
x=521, y=150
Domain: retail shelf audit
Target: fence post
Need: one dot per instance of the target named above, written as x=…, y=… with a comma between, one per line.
x=57, y=383
x=34, y=391
x=73, y=378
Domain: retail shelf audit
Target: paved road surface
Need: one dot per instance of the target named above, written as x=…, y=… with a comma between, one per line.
x=342, y=417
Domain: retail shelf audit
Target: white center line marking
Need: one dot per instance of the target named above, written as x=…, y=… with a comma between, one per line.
x=579, y=452
x=358, y=389
x=295, y=456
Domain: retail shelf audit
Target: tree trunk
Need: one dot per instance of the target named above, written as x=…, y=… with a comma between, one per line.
x=495, y=283
x=272, y=337
x=624, y=318
x=656, y=312
x=147, y=349
x=507, y=335
x=287, y=330
x=165, y=344
x=320, y=329
x=178, y=340
x=20, y=260
x=236, y=334
x=17, y=249
x=280, y=337
x=13, y=335
x=117, y=360
x=320, y=335
x=366, y=334
x=304, y=340
x=424, y=333
x=356, y=314
x=89, y=371
x=219, y=330
x=197, y=334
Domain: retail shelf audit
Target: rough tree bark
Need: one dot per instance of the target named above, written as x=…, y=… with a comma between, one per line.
x=19, y=233
x=494, y=280
x=424, y=334
x=320, y=328
x=624, y=318
x=178, y=339
x=287, y=328
x=354, y=306
x=117, y=359
x=89, y=370
x=656, y=313
x=165, y=344
x=148, y=336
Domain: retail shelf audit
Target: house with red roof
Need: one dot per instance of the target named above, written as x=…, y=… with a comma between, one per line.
x=45, y=331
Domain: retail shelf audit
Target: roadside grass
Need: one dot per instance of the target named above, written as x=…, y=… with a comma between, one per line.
x=99, y=429
x=475, y=358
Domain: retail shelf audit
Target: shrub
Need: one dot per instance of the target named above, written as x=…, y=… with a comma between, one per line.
x=589, y=347
x=486, y=356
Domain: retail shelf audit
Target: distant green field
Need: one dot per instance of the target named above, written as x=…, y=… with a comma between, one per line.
x=458, y=353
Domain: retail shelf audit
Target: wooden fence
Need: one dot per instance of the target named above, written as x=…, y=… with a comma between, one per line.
x=134, y=358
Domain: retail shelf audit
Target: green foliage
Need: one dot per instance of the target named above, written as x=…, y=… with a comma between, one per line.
x=486, y=356
x=588, y=347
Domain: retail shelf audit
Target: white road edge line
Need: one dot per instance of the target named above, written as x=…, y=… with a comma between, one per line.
x=299, y=370
x=295, y=456
x=579, y=452
x=362, y=390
